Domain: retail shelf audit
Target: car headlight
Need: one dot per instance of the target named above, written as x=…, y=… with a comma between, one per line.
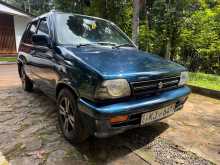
x=183, y=78
x=111, y=89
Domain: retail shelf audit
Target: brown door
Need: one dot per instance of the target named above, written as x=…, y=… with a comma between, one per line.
x=7, y=35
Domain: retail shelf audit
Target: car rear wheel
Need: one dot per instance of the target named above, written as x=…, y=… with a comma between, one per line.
x=27, y=84
x=69, y=117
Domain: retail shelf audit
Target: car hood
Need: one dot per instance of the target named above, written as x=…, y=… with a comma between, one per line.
x=122, y=62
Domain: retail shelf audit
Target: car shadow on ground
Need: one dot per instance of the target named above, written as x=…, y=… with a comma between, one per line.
x=112, y=148
x=101, y=150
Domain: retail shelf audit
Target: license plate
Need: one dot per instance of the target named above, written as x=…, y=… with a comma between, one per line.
x=157, y=114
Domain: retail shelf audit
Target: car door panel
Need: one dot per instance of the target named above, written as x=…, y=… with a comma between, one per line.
x=26, y=48
x=44, y=70
x=43, y=66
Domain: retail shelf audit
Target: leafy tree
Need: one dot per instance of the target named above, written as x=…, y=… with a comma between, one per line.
x=201, y=39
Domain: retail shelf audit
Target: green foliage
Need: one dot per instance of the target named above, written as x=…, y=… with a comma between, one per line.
x=69, y=5
x=205, y=80
x=8, y=59
x=167, y=18
x=147, y=38
x=186, y=31
x=105, y=8
x=200, y=45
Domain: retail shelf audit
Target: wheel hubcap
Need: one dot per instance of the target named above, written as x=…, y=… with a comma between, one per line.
x=67, y=114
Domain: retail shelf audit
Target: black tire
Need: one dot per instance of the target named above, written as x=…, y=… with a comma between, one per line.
x=27, y=84
x=69, y=117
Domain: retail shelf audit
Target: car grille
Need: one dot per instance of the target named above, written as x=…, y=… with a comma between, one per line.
x=151, y=87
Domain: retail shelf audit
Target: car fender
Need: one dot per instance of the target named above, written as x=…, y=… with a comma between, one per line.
x=66, y=83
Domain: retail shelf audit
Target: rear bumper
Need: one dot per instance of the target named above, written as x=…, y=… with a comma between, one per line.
x=98, y=116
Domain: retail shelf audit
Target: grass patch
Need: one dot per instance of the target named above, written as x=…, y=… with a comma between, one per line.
x=208, y=81
x=8, y=59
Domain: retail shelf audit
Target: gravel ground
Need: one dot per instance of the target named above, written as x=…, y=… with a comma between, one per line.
x=170, y=154
x=30, y=134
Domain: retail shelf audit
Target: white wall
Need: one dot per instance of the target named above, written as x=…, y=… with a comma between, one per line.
x=20, y=24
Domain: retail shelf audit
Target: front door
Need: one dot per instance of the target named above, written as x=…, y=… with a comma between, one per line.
x=7, y=35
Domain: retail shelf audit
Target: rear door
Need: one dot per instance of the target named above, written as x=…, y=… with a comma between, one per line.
x=26, y=48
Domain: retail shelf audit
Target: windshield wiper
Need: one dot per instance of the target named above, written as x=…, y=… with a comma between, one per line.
x=96, y=43
x=106, y=43
x=114, y=45
x=85, y=44
x=121, y=45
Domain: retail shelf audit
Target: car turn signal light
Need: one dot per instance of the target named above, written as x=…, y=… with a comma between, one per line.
x=118, y=119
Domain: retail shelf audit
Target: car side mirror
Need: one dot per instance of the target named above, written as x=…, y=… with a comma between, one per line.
x=41, y=40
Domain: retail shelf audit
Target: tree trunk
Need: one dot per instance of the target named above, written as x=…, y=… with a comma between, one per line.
x=135, y=21
x=29, y=6
x=25, y=7
x=168, y=48
x=148, y=6
x=105, y=12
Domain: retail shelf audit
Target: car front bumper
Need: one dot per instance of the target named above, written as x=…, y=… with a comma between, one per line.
x=97, y=117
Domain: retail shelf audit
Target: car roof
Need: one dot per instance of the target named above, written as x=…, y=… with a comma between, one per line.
x=52, y=12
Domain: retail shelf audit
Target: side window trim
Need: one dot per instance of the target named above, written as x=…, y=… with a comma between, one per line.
x=27, y=30
x=39, y=21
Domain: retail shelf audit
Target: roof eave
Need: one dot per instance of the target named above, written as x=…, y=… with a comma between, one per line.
x=16, y=10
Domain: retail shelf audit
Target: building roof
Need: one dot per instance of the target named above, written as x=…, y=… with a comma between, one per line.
x=9, y=9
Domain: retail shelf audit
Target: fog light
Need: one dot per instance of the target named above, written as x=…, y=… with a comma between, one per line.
x=118, y=119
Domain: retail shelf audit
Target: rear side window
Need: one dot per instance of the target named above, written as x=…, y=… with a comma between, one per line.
x=43, y=28
x=27, y=38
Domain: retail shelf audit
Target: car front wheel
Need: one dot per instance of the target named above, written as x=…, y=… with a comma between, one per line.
x=69, y=117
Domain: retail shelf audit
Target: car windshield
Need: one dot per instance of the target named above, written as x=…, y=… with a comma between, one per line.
x=83, y=30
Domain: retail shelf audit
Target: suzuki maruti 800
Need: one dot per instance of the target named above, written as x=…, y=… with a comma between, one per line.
x=102, y=84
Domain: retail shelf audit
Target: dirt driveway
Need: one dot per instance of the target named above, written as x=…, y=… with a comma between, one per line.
x=30, y=134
